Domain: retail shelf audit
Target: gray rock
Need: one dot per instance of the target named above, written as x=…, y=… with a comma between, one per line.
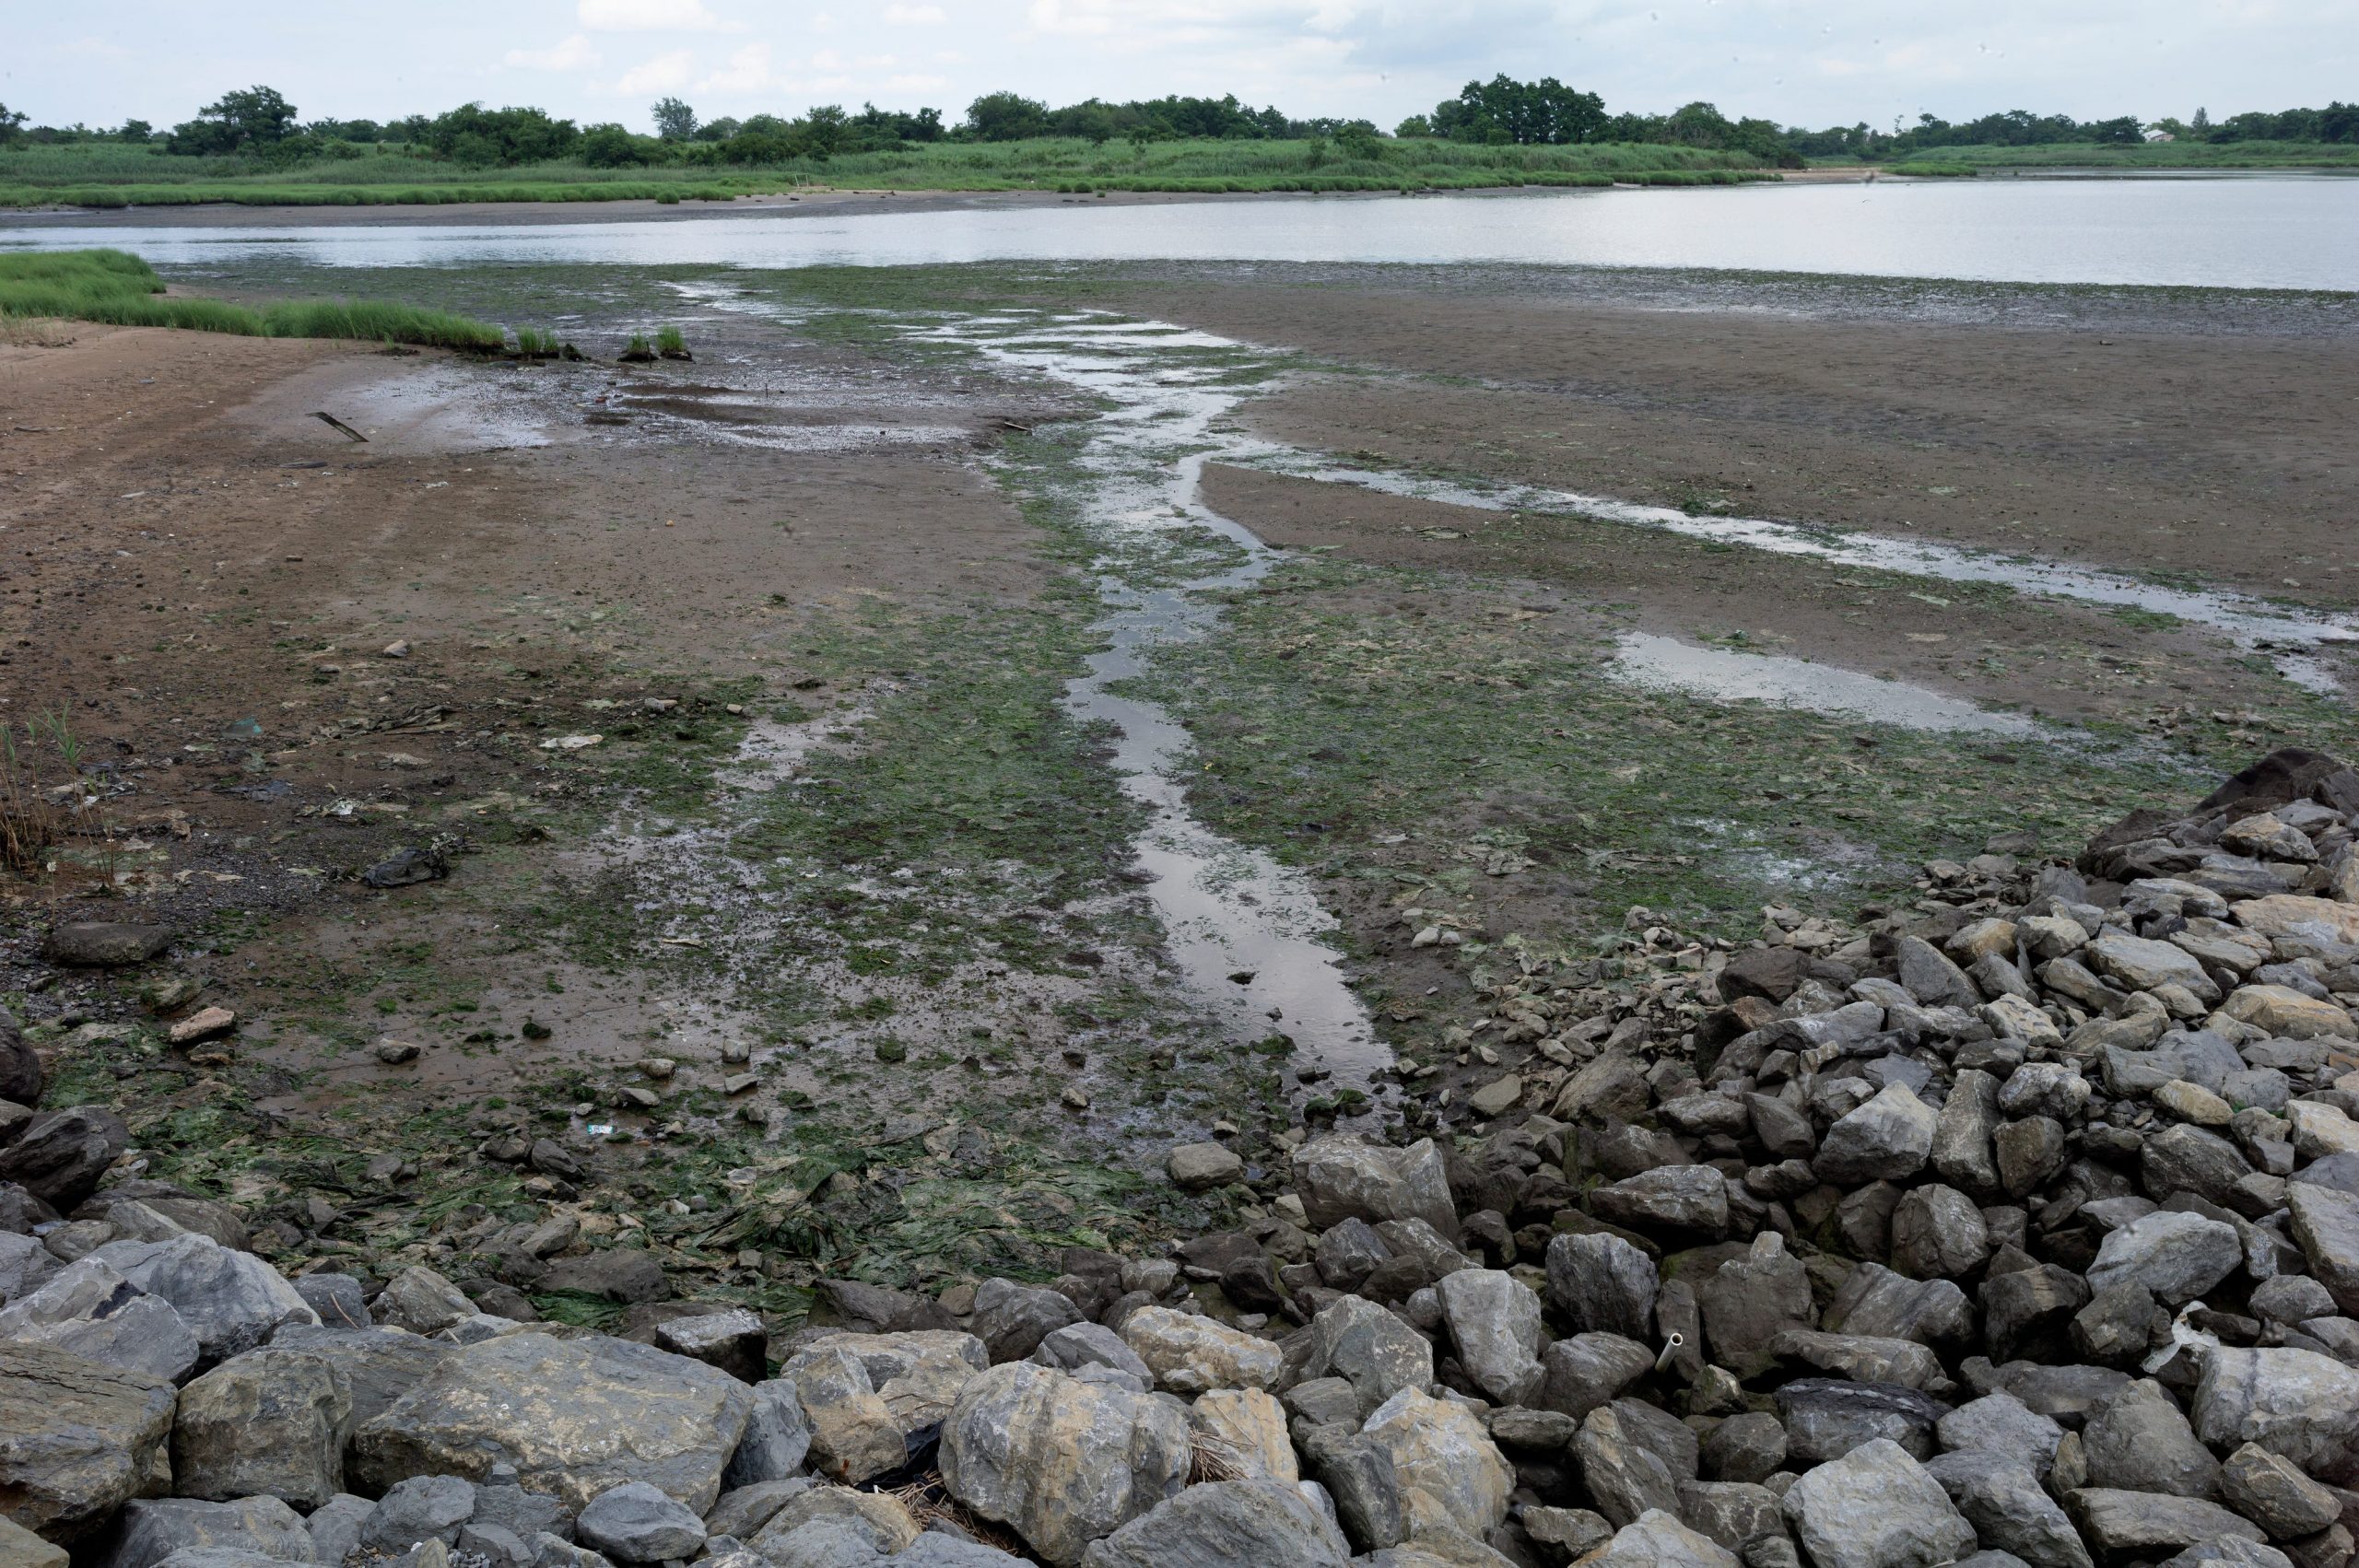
x=1602, y=1282
x=334, y=1526
x=1879, y=1303
x=1358, y=1475
x=2233, y=1550
x=1688, y=1198
x=823, y=1543
x=1657, y=1540
x=1581, y=1373
x=58, y=1156
x=270, y=1422
x=1749, y=1301
x=1091, y=1344
x=553, y=1552
x=1877, y=1508
x=1369, y=1347
x=102, y=1439
x=1888, y=1139
x=1452, y=1475
x=2028, y=1311
x=934, y=1550
x=1565, y=1534
x=1861, y=1359
x=2295, y=1403
x=626, y=1276
x=1062, y=1461
x=2273, y=1494
x=734, y=1341
x=2029, y=1152
x=1348, y=1252
x=1962, y=1152
x=869, y=1398
x=1230, y=1524
x=2186, y=1158
x=421, y=1301
x=231, y=1301
x=497, y=1545
x=1929, y=976
x=1494, y=1321
x=2001, y=1423
x=1938, y=1232
x=421, y=1508
x=152, y=1529
x=572, y=1416
x=1748, y=1447
x=1189, y=1353
x=741, y=1513
x=105, y=944
x=1732, y=1513
x=2003, y=1500
x=1198, y=1167
x=1012, y=1319
x=382, y=1363
x=25, y=1266
x=2288, y=1299
x=1827, y=1418
x=220, y=1556
x=2176, y=1255
x=777, y=1439
x=521, y=1514
x=2120, y=1526
x=1624, y=1477
x=335, y=1298
x=89, y=1310
x=2325, y=1223
x=1339, y=1178
x=22, y=1076
x=828, y=1526
x=2117, y=1326
x=2138, y=1440
x=639, y=1522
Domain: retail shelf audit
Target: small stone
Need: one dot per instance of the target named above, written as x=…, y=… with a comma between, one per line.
x=1877, y=1508
x=2176, y=1255
x=2192, y=1101
x=105, y=944
x=394, y=1053
x=639, y=1522
x=203, y=1025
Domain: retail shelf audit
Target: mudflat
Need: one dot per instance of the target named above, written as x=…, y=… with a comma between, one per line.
x=683, y=762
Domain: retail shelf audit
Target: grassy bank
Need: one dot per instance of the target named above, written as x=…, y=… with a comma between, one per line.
x=2147, y=156
x=118, y=289
x=114, y=176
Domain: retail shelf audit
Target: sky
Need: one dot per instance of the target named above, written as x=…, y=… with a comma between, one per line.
x=1831, y=62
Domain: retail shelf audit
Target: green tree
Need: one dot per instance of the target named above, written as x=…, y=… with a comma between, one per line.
x=823, y=129
x=136, y=131
x=1006, y=117
x=611, y=146
x=675, y=120
x=12, y=125
x=256, y=119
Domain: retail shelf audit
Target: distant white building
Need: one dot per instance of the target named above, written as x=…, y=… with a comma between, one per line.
x=2160, y=136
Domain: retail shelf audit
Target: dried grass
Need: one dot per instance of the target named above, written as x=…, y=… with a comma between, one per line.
x=1213, y=1459
x=928, y=1501
x=34, y=332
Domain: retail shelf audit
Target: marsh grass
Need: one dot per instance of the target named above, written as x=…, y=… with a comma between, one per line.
x=116, y=177
x=118, y=290
x=30, y=824
x=669, y=344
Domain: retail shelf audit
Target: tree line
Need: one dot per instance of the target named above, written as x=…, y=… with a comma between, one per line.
x=259, y=123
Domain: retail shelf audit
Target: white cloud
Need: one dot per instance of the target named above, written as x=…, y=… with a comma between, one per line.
x=648, y=16
x=916, y=84
x=573, y=55
x=748, y=71
x=665, y=73
x=916, y=16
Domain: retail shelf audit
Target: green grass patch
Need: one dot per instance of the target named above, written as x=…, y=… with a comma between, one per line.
x=118, y=290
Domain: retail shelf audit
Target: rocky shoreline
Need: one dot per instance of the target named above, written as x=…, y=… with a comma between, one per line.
x=2017, y=1225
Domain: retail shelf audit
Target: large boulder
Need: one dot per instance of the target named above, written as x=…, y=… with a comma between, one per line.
x=153, y=1530
x=639, y=1522
x=271, y=1422
x=78, y=1439
x=105, y=944
x=573, y=1416
x=1877, y=1508
x=1339, y=1178
x=1012, y=1319
x=1229, y=1523
x=2133, y=1526
x=1369, y=1347
x=60, y=1155
x=1189, y=1354
x=2296, y=1403
x=232, y=1301
x=777, y=1437
x=870, y=1400
x=2176, y=1255
x=1450, y=1471
x=2325, y=1225
x=1062, y=1461
x=90, y=1310
x=382, y=1363
x=1888, y=1138
x=1494, y=1321
x=2000, y=1497
x=1603, y=1283
x=1657, y=1540
x=2138, y=1440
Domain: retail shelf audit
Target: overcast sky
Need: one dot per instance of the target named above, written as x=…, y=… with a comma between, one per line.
x=1826, y=63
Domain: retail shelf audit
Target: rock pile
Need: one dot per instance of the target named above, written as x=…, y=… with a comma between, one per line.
x=2020, y=1226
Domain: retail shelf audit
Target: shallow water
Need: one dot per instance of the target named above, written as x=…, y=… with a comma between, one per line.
x=2280, y=231
x=1666, y=663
